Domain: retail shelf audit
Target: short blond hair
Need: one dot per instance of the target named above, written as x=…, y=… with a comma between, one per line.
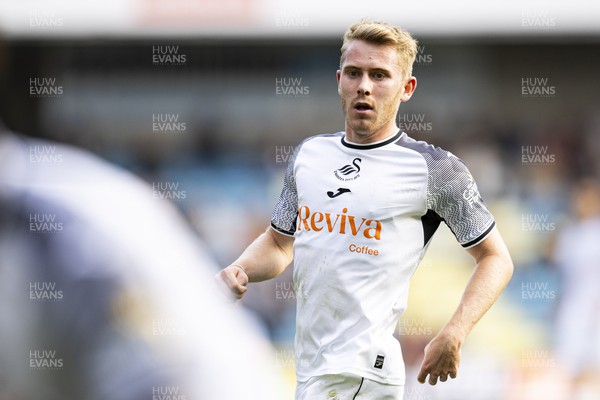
x=383, y=34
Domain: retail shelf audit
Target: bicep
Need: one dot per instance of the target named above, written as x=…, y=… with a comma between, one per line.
x=283, y=241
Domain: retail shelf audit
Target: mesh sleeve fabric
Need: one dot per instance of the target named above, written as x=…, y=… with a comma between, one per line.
x=284, y=215
x=452, y=193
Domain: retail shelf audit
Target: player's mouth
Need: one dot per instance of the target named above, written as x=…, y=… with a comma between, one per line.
x=362, y=107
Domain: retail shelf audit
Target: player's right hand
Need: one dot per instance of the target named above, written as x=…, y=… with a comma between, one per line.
x=233, y=280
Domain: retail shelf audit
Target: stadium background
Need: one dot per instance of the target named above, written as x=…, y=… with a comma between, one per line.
x=511, y=90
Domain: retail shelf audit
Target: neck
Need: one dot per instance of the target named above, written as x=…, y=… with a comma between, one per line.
x=371, y=137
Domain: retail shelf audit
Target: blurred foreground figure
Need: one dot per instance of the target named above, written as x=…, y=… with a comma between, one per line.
x=577, y=255
x=105, y=293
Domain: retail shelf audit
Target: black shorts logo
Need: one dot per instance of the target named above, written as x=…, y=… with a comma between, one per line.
x=379, y=362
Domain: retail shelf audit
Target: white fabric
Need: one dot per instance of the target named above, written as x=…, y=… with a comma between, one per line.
x=139, y=315
x=347, y=387
x=355, y=251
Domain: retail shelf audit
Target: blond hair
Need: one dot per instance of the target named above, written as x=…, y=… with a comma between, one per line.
x=383, y=34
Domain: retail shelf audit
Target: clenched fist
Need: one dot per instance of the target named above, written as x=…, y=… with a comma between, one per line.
x=233, y=280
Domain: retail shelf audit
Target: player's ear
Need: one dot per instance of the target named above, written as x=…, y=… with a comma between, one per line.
x=409, y=88
x=338, y=75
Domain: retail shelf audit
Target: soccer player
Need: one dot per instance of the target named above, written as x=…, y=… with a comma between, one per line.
x=356, y=214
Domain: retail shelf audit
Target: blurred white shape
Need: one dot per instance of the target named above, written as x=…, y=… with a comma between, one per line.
x=135, y=312
x=241, y=18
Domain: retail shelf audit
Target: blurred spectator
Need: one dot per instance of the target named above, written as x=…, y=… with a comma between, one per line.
x=106, y=294
x=577, y=254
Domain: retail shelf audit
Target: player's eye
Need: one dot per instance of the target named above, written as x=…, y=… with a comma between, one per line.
x=353, y=73
x=379, y=75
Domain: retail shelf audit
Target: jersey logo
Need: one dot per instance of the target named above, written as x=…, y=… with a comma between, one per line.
x=342, y=224
x=349, y=172
x=339, y=192
x=379, y=362
x=471, y=194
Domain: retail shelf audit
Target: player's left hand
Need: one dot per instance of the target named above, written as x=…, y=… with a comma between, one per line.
x=442, y=358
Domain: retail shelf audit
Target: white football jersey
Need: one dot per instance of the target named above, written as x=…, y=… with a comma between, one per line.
x=362, y=217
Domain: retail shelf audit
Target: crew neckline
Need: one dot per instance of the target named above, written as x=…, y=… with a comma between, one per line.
x=368, y=146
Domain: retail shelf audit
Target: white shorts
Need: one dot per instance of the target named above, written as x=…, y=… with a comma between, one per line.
x=346, y=387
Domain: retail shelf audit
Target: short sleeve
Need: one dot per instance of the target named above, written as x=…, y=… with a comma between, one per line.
x=284, y=215
x=452, y=194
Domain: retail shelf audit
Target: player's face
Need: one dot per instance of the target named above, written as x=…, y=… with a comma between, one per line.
x=372, y=86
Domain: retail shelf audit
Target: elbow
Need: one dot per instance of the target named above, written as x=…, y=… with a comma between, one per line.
x=501, y=263
x=510, y=268
x=505, y=264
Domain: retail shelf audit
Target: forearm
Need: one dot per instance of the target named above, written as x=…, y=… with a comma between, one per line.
x=492, y=273
x=266, y=257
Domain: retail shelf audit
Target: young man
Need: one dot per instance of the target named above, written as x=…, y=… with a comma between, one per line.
x=356, y=214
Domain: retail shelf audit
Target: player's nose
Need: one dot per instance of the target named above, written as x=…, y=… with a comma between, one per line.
x=365, y=86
